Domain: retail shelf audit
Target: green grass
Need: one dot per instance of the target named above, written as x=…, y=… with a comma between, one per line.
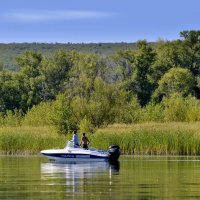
x=139, y=139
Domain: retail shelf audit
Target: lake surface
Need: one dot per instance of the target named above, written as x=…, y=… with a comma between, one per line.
x=139, y=178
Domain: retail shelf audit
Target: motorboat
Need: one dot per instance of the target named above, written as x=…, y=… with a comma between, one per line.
x=72, y=152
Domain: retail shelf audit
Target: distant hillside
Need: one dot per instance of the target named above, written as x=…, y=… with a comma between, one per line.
x=9, y=52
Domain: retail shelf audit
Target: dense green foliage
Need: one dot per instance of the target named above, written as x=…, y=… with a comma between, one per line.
x=74, y=90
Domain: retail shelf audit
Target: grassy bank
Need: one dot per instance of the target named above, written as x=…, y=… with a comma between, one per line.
x=146, y=139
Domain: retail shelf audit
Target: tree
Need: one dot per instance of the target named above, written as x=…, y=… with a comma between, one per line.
x=144, y=59
x=1, y=65
x=10, y=93
x=192, y=42
x=96, y=108
x=29, y=79
x=55, y=70
x=191, y=37
x=29, y=63
x=124, y=64
x=168, y=55
x=176, y=80
x=83, y=74
x=61, y=114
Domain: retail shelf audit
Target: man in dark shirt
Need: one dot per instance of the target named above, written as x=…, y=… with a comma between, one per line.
x=84, y=141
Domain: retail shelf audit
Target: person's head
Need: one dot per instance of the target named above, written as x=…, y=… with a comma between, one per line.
x=75, y=132
x=83, y=134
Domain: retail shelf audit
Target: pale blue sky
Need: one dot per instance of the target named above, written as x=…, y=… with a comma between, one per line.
x=87, y=21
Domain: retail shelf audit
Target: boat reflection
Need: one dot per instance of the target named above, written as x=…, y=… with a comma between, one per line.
x=77, y=169
x=77, y=173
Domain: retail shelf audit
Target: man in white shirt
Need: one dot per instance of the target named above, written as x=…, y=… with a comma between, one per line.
x=75, y=139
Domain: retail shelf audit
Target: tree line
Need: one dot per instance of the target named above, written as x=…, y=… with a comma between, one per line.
x=9, y=52
x=73, y=89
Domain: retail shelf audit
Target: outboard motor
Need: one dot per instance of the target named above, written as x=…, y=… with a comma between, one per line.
x=114, y=152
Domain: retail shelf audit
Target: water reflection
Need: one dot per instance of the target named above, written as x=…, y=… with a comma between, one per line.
x=77, y=174
x=77, y=169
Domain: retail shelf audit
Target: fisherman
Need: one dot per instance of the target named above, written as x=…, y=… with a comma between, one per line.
x=84, y=141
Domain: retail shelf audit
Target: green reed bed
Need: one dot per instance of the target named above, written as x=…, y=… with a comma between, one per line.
x=25, y=140
x=151, y=139
x=138, y=139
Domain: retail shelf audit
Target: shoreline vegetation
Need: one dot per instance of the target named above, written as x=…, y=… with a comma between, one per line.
x=174, y=138
x=153, y=89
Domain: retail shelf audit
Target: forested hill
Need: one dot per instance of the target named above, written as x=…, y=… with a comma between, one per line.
x=159, y=83
x=9, y=52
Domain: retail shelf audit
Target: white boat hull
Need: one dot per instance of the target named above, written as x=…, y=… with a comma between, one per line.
x=76, y=154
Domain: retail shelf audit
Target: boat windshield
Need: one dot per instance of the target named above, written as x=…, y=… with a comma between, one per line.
x=70, y=144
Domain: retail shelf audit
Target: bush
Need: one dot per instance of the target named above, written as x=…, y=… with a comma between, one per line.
x=193, y=109
x=12, y=118
x=38, y=115
x=135, y=110
x=176, y=80
x=153, y=113
x=175, y=108
x=1, y=119
x=86, y=126
x=60, y=115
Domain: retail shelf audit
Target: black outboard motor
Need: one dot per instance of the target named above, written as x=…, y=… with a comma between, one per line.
x=114, y=152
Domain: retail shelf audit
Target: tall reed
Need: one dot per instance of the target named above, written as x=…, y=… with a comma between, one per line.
x=25, y=140
x=152, y=139
x=139, y=139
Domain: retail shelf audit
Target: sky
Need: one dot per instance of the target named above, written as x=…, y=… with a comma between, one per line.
x=91, y=21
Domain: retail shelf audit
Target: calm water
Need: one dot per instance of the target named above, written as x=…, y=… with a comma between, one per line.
x=133, y=178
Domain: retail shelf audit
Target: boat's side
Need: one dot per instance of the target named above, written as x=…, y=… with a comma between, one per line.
x=65, y=158
x=75, y=155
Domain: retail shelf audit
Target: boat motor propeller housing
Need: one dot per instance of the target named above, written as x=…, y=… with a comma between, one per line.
x=114, y=152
